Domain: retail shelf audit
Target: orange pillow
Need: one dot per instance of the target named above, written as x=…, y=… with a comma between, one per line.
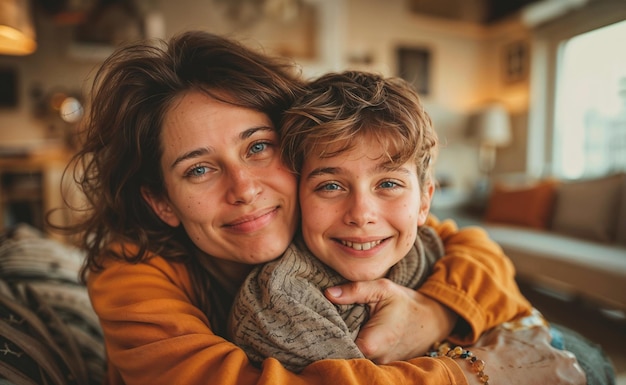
x=529, y=206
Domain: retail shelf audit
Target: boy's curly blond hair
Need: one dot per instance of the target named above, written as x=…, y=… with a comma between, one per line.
x=339, y=107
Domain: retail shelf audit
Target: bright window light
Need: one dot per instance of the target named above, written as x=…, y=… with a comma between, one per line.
x=590, y=110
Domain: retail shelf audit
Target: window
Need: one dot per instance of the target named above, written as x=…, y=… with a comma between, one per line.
x=590, y=104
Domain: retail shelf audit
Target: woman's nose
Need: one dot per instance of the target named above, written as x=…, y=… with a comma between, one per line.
x=243, y=186
x=360, y=210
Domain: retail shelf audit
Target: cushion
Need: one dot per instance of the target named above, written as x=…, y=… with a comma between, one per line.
x=46, y=318
x=588, y=208
x=529, y=206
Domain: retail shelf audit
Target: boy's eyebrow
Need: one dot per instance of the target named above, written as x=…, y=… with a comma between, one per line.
x=385, y=168
x=323, y=170
x=336, y=170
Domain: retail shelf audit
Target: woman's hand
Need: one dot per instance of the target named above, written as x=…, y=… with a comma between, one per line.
x=403, y=323
x=523, y=357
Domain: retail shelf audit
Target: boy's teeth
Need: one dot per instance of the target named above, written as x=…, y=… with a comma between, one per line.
x=361, y=246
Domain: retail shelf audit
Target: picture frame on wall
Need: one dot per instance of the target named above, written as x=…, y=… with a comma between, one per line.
x=107, y=27
x=516, y=61
x=294, y=37
x=414, y=65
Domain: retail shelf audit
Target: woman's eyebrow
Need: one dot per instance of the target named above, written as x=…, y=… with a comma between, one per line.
x=245, y=134
x=191, y=154
x=207, y=150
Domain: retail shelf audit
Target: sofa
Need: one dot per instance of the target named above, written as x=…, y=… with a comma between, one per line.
x=566, y=237
x=49, y=333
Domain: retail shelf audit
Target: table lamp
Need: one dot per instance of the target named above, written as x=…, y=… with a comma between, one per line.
x=493, y=130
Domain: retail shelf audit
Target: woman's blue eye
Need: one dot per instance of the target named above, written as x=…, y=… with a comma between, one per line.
x=258, y=147
x=198, y=171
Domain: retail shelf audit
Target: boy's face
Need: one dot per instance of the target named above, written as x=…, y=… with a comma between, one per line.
x=359, y=217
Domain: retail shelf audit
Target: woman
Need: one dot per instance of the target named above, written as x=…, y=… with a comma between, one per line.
x=185, y=191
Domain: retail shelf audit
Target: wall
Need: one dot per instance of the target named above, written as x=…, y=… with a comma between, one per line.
x=48, y=69
x=59, y=63
x=467, y=71
x=466, y=66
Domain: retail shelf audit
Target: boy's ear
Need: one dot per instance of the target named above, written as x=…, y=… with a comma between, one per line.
x=161, y=207
x=426, y=198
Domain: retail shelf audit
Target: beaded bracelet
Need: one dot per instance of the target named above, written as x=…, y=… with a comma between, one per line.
x=443, y=349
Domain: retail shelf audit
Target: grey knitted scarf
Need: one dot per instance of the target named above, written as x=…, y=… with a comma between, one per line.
x=281, y=312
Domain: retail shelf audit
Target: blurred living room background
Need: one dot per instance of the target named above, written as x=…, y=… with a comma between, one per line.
x=528, y=98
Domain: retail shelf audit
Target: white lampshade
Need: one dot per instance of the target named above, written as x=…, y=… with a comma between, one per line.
x=17, y=33
x=494, y=126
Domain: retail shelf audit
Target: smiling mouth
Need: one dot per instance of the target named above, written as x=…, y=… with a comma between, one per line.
x=361, y=246
x=252, y=222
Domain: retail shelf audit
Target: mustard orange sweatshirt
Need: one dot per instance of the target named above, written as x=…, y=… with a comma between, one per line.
x=154, y=333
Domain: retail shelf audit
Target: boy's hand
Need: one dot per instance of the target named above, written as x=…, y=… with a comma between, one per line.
x=403, y=323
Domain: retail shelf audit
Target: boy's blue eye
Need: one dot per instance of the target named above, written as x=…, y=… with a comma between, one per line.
x=331, y=187
x=388, y=184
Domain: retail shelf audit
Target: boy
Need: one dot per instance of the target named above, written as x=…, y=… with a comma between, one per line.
x=363, y=147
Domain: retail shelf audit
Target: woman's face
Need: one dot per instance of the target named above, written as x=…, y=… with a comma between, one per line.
x=225, y=182
x=359, y=216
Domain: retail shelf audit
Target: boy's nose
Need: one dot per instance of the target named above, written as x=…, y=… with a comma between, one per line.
x=361, y=210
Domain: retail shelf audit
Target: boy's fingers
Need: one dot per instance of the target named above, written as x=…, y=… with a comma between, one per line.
x=361, y=292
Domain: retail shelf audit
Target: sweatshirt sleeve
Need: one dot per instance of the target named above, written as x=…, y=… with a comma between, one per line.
x=475, y=279
x=155, y=335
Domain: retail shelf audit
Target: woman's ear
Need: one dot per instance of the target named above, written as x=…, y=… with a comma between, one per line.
x=426, y=198
x=161, y=207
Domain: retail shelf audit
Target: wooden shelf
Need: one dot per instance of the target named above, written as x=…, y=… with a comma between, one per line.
x=30, y=186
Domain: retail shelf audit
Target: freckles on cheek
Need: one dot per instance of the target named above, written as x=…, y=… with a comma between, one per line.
x=192, y=204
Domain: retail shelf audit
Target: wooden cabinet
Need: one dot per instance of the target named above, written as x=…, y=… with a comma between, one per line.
x=30, y=186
